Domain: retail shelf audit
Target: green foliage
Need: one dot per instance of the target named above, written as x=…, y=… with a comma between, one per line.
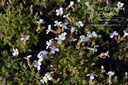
x=14, y=23
x=71, y=65
x=13, y=71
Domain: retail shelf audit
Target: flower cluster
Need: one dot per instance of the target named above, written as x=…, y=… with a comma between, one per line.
x=41, y=56
x=15, y=52
x=46, y=78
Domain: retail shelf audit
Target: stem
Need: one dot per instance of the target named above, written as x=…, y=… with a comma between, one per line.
x=110, y=80
x=122, y=38
x=29, y=63
x=90, y=81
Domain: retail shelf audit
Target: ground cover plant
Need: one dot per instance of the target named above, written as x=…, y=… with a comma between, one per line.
x=63, y=42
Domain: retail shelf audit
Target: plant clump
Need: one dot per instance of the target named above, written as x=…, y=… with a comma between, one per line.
x=68, y=42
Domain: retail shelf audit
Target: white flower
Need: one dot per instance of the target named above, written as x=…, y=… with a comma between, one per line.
x=64, y=25
x=107, y=54
x=49, y=29
x=54, y=49
x=46, y=78
x=37, y=64
x=59, y=11
x=84, y=39
x=42, y=81
x=95, y=49
x=78, y=1
x=29, y=56
x=57, y=23
x=92, y=76
x=42, y=55
x=65, y=16
x=31, y=6
x=87, y=3
x=79, y=24
x=26, y=37
x=93, y=34
x=51, y=72
x=125, y=33
x=61, y=37
x=15, y=52
x=119, y=4
x=48, y=43
x=89, y=34
x=41, y=21
x=113, y=34
x=48, y=75
x=71, y=3
x=110, y=73
x=73, y=29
